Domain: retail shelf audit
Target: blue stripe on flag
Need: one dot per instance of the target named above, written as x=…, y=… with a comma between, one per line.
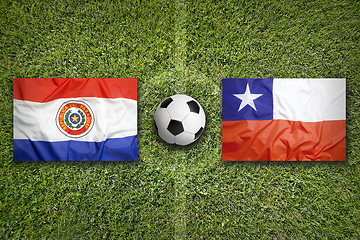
x=113, y=149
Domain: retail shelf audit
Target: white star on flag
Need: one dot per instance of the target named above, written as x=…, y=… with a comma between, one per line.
x=247, y=98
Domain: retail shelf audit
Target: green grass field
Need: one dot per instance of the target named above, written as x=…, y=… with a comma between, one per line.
x=186, y=47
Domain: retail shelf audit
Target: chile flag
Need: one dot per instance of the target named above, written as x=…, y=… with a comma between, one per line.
x=284, y=119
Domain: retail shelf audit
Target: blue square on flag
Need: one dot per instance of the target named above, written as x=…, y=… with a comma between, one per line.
x=75, y=119
x=247, y=99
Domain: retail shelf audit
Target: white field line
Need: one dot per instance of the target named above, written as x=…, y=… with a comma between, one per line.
x=180, y=217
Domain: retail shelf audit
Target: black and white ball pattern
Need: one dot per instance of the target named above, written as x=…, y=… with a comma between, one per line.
x=179, y=120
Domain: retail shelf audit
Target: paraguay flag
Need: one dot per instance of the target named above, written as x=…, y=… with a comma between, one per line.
x=284, y=119
x=75, y=119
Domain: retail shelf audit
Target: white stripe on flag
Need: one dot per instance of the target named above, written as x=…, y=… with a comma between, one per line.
x=114, y=118
x=309, y=100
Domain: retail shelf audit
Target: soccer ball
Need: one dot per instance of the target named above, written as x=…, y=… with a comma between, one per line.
x=179, y=120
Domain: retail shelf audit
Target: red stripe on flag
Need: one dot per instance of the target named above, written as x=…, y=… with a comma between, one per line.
x=48, y=89
x=279, y=140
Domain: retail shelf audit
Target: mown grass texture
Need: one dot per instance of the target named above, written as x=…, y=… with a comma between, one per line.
x=182, y=47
